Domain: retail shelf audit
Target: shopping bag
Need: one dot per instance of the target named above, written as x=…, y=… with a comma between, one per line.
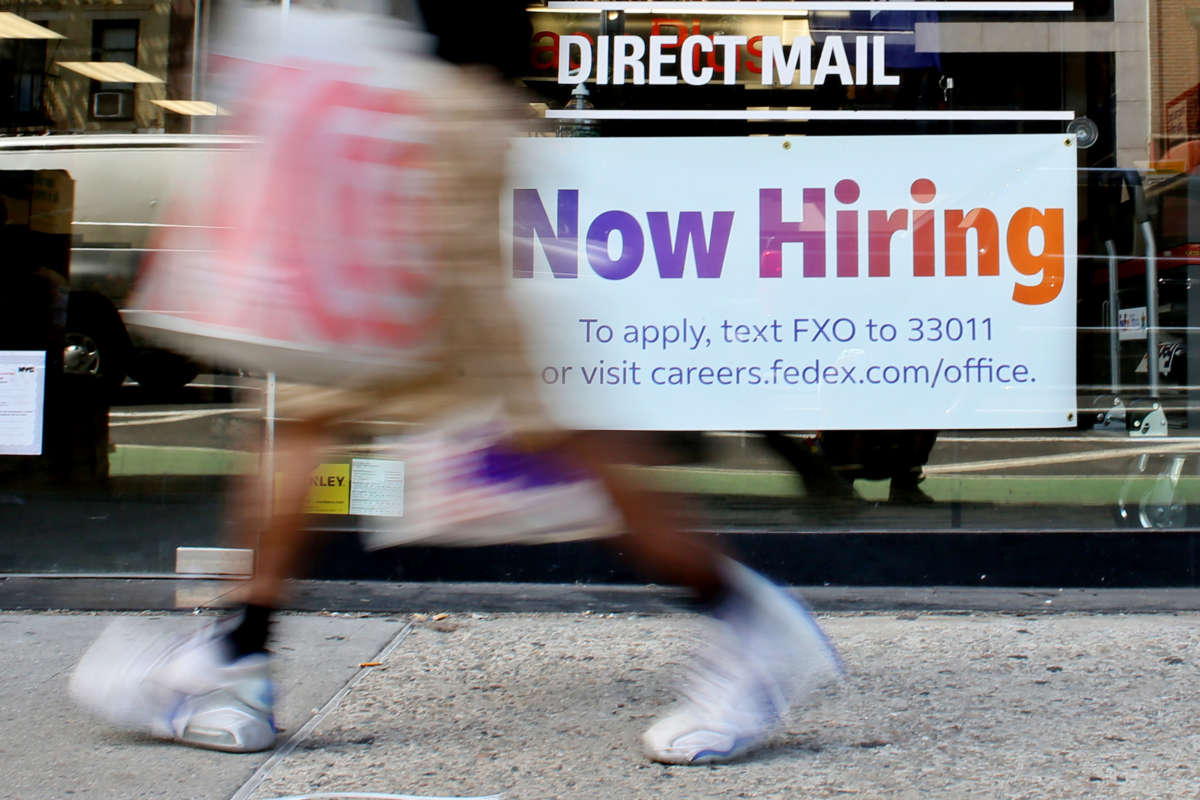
x=304, y=251
x=467, y=483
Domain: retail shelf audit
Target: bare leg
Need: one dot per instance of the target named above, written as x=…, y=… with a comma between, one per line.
x=658, y=541
x=765, y=650
x=277, y=535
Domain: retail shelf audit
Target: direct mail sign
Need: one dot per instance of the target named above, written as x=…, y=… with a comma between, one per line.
x=798, y=283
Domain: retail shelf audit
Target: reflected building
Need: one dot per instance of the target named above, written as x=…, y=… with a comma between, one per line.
x=44, y=87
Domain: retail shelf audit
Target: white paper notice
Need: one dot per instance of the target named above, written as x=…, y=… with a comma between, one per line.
x=22, y=397
x=376, y=487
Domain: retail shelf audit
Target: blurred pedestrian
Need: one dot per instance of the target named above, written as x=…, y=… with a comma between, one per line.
x=213, y=689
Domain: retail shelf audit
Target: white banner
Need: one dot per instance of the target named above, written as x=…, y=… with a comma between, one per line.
x=798, y=283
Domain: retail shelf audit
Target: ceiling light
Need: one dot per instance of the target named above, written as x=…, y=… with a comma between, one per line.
x=110, y=71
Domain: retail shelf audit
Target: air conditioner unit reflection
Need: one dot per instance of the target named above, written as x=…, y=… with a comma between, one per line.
x=112, y=105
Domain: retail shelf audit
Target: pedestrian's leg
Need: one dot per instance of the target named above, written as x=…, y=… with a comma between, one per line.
x=657, y=539
x=765, y=650
x=281, y=547
x=212, y=688
x=276, y=533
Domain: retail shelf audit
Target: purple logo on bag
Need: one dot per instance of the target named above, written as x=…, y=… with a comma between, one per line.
x=503, y=464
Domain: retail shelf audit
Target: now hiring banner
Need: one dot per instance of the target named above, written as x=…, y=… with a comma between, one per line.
x=798, y=283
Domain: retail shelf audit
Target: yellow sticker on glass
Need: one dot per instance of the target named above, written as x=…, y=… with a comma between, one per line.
x=329, y=490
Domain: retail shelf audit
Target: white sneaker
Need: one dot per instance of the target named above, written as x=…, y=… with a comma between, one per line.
x=767, y=653
x=182, y=688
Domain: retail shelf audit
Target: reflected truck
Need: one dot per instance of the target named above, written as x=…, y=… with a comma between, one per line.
x=123, y=184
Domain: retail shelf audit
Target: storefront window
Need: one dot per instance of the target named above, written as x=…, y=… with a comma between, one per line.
x=114, y=41
x=1092, y=438
x=114, y=451
x=920, y=269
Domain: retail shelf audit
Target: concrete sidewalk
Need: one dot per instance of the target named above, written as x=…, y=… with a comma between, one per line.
x=50, y=751
x=551, y=704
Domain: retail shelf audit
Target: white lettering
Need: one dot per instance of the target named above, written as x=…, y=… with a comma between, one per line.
x=833, y=62
x=688, y=57
x=729, y=59
x=881, y=78
x=860, y=61
x=632, y=60
x=658, y=60
x=627, y=53
x=565, y=75
x=773, y=59
x=602, y=60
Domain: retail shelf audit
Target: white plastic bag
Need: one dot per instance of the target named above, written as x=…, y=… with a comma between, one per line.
x=303, y=253
x=467, y=485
